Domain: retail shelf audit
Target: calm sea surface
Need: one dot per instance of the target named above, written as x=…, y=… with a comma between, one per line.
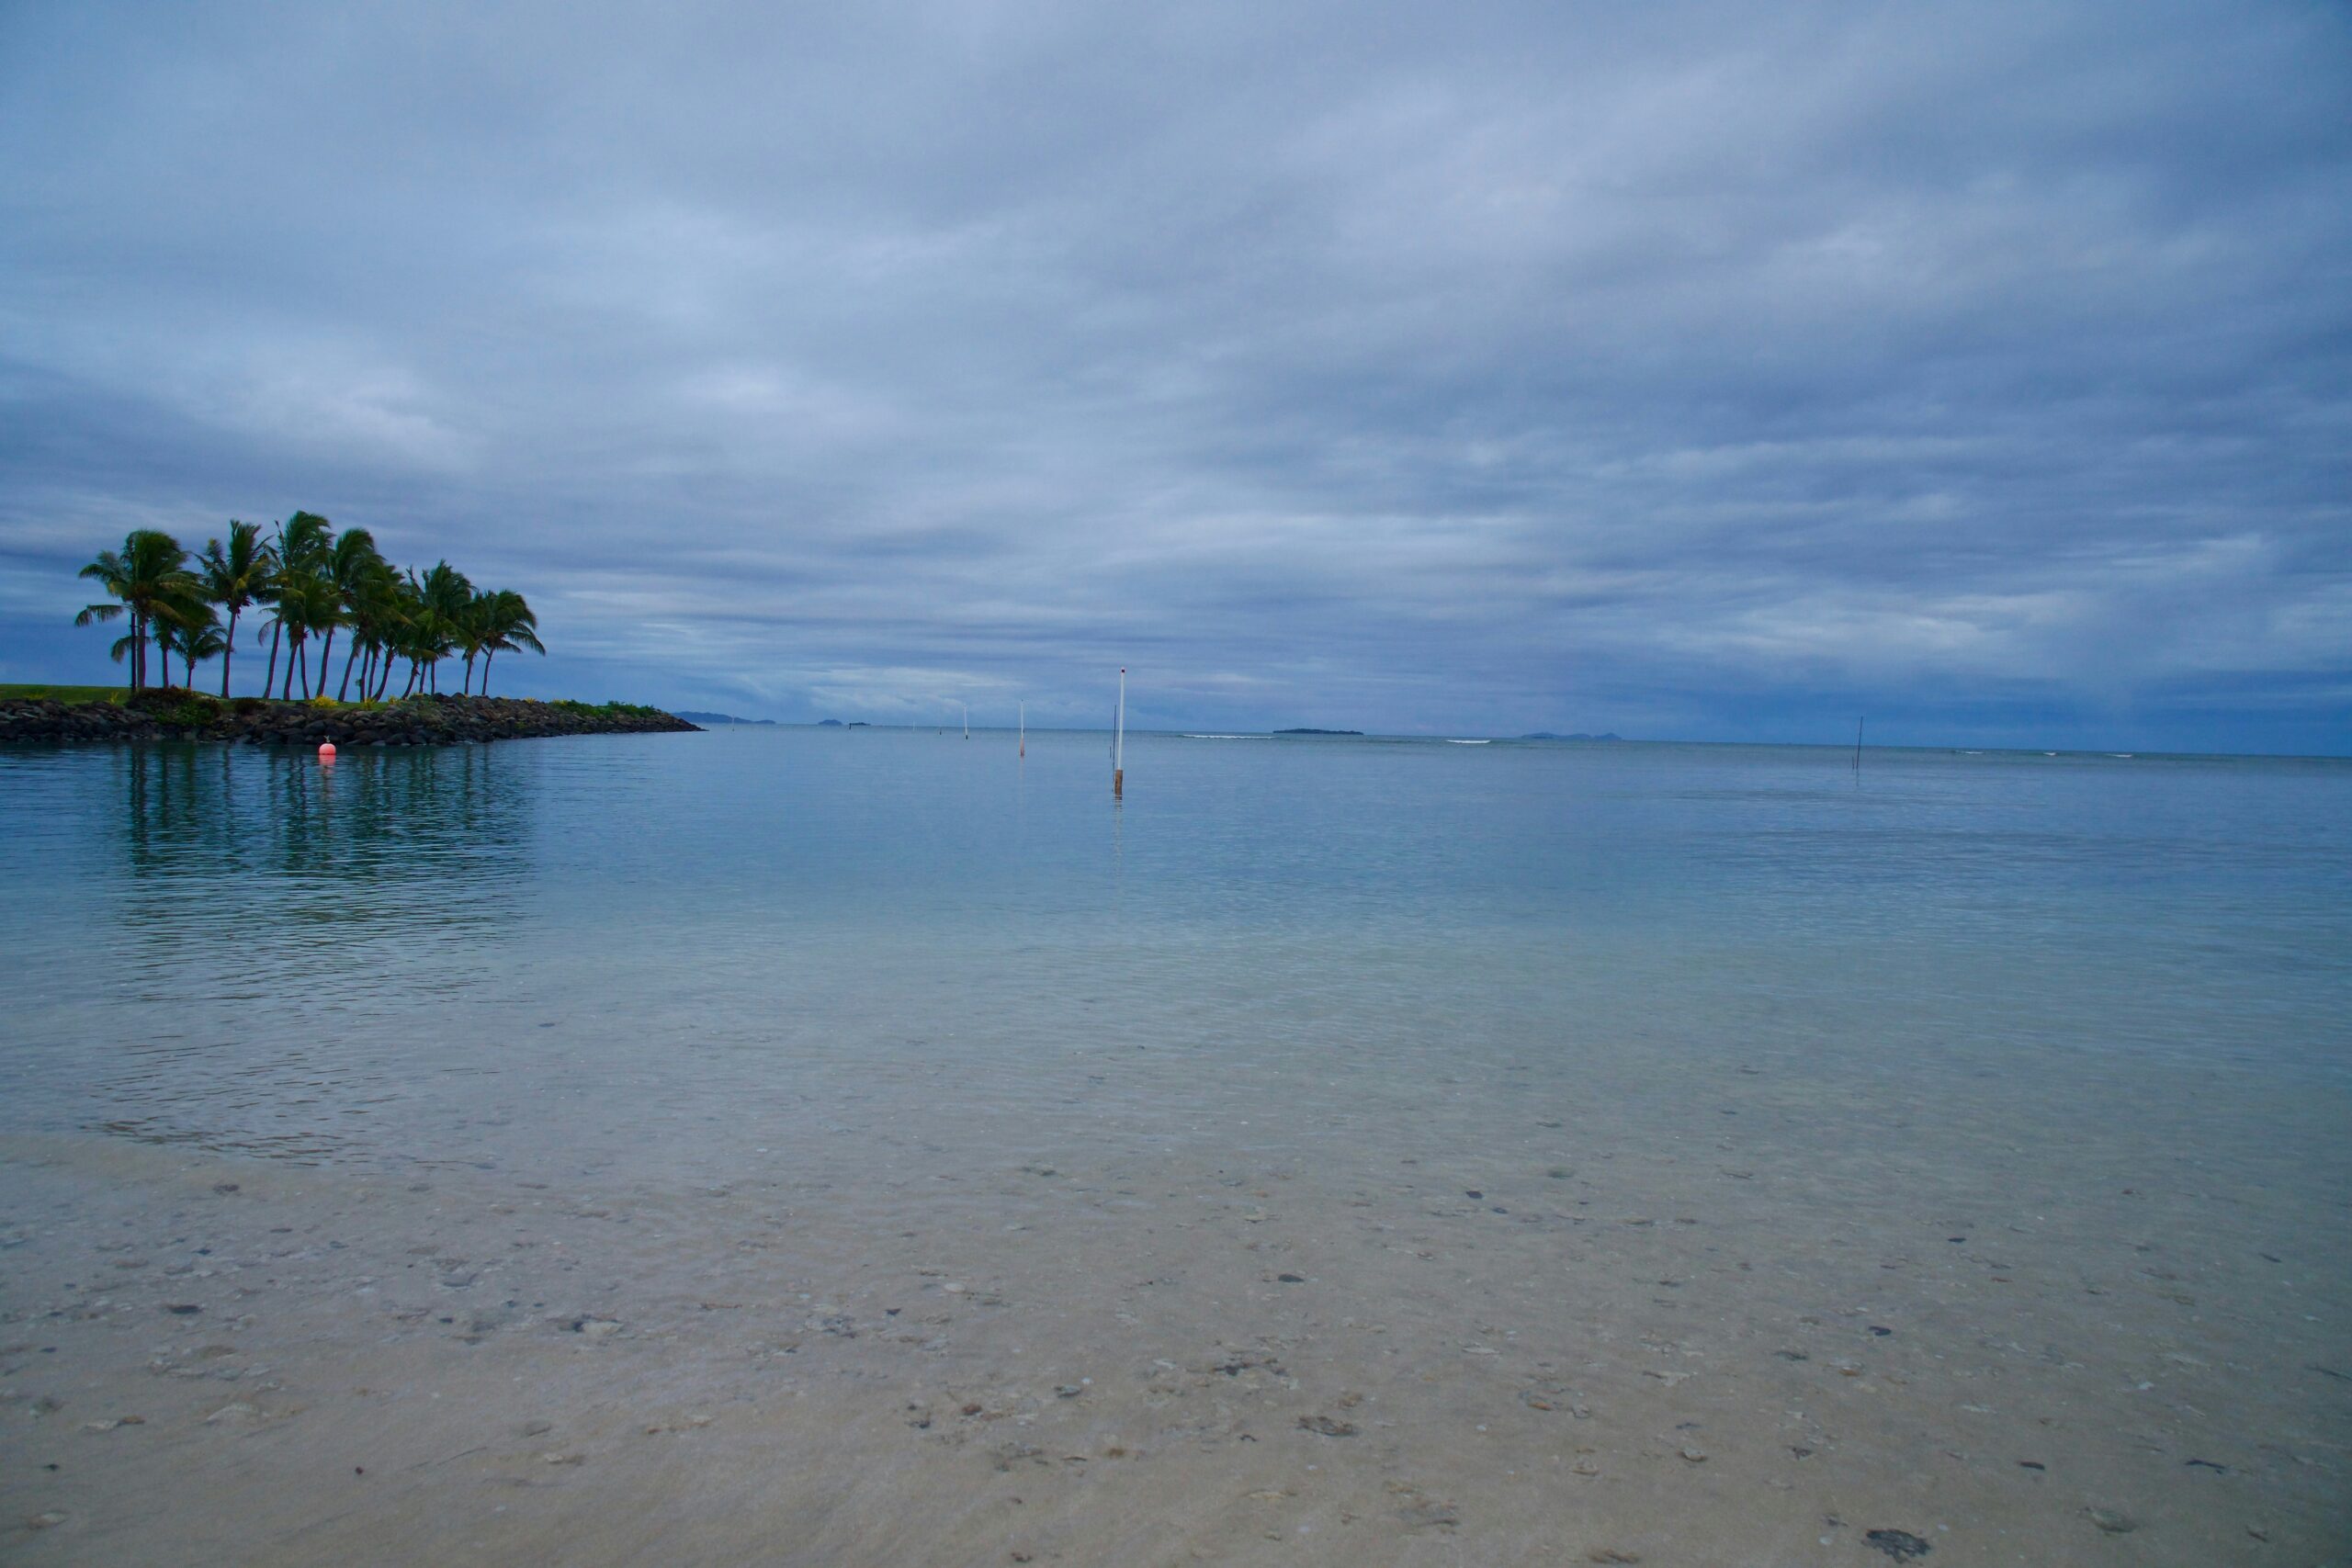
x=416, y=953
x=1341, y=1151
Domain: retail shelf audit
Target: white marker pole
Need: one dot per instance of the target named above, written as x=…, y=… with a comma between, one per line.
x=967, y=720
x=1119, y=743
x=1024, y=729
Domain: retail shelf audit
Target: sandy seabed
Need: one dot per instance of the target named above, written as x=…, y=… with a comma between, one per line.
x=1765, y=1320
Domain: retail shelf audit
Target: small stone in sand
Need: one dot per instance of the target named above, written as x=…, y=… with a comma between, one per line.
x=238, y=1415
x=1901, y=1545
x=1696, y=1456
x=1327, y=1427
x=49, y=1519
x=2112, y=1522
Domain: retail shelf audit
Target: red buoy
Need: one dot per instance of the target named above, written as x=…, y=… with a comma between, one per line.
x=326, y=751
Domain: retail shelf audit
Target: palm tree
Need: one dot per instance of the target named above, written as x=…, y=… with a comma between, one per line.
x=236, y=578
x=508, y=624
x=193, y=636
x=149, y=577
x=403, y=611
x=368, y=605
x=346, y=568
x=445, y=594
x=301, y=541
x=306, y=603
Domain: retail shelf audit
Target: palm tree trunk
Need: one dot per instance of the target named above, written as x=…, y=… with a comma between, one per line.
x=488, y=654
x=228, y=651
x=302, y=657
x=326, y=659
x=269, y=677
x=344, y=691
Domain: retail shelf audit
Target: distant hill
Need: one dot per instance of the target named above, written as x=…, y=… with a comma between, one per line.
x=1547, y=734
x=717, y=718
x=1318, y=732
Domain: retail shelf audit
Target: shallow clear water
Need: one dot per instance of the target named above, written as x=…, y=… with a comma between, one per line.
x=1339, y=1151
x=241, y=950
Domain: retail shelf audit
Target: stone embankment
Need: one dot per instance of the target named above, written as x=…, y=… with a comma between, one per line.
x=417, y=721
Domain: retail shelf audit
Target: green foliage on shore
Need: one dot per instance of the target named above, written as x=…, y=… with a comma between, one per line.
x=638, y=709
x=41, y=692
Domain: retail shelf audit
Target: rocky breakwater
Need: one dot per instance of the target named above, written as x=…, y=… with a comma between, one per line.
x=416, y=721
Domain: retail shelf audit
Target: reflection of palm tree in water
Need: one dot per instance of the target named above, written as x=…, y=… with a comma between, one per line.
x=398, y=842
x=276, y=919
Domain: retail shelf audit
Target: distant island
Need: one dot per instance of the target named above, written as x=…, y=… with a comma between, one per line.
x=1547, y=734
x=1318, y=732
x=717, y=718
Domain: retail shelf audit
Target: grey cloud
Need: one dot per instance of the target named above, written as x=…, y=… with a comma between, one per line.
x=1706, y=367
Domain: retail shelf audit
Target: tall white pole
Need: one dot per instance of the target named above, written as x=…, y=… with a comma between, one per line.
x=967, y=720
x=1024, y=729
x=1119, y=742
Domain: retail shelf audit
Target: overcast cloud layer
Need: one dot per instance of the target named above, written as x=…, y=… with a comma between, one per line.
x=1715, y=372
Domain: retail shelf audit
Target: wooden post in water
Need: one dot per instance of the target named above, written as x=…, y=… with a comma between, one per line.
x=967, y=720
x=1119, y=742
x=1858, y=745
x=1024, y=729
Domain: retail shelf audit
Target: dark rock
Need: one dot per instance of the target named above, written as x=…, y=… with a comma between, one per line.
x=178, y=713
x=1901, y=1545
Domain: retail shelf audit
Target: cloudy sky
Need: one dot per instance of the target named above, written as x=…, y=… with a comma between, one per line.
x=1713, y=371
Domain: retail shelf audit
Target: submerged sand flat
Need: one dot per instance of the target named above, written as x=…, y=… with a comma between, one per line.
x=811, y=1149
x=1755, y=1320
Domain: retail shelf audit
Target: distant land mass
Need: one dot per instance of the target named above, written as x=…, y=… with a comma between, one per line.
x=1318, y=732
x=1579, y=735
x=717, y=718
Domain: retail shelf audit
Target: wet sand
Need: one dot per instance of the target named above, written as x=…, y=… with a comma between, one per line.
x=1713, y=1313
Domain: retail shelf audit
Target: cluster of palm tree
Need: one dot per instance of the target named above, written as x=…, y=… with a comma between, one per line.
x=311, y=582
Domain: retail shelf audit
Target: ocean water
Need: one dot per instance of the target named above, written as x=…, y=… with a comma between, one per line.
x=1670, y=1059
x=242, y=950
